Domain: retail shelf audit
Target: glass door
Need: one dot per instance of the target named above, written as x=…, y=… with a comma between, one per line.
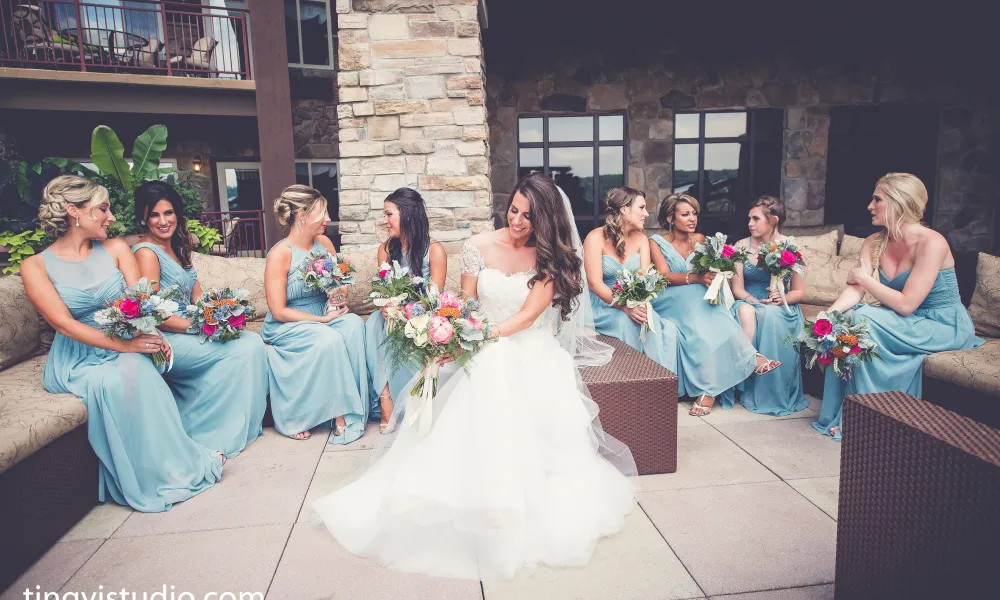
x=241, y=209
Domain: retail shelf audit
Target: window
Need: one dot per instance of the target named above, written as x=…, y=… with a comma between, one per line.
x=585, y=155
x=725, y=159
x=322, y=175
x=309, y=33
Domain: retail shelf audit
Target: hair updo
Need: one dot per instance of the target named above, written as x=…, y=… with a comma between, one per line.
x=63, y=191
x=614, y=223
x=295, y=199
x=772, y=208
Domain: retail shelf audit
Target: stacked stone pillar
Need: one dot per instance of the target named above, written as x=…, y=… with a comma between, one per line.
x=412, y=113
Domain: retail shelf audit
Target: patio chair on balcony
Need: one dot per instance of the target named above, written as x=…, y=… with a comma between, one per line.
x=199, y=58
x=146, y=56
x=230, y=239
x=35, y=39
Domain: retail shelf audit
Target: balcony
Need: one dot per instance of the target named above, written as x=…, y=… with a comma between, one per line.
x=132, y=37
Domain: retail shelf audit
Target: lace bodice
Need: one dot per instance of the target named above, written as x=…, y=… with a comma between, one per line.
x=502, y=295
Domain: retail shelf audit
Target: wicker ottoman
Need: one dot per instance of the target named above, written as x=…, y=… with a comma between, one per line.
x=919, y=511
x=638, y=403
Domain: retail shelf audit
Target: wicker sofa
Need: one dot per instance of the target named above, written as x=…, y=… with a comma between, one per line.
x=965, y=381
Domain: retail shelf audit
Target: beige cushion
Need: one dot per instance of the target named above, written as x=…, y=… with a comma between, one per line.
x=985, y=305
x=19, y=331
x=235, y=272
x=811, y=311
x=851, y=246
x=825, y=243
x=30, y=417
x=977, y=369
x=826, y=278
x=814, y=230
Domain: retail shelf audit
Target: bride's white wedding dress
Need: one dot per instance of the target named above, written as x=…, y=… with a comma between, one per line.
x=510, y=475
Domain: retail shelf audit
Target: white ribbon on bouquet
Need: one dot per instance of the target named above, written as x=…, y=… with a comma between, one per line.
x=650, y=324
x=720, y=285
x=395, y=301
x=778, y=284
x=420, y=407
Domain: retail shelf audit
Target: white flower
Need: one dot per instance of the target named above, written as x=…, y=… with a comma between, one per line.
x=416, y=330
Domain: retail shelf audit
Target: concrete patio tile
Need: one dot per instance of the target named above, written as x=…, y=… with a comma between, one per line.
x=791, y=448
x=367, y=441
x=815, y=403
x=738, y=414
x=100, y=523
x=824, y=492
x=232, y=560
x=314, y=566
x=273, y=443
x=705, y=458
x=333, y=468
x=53, y=569
x=745, y=538
x=635, y=564
x=813, y=592
x=253, y=491
x=686, y=420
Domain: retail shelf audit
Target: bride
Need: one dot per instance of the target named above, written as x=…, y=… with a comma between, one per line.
x=516, y=470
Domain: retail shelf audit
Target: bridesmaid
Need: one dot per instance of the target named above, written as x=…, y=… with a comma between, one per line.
x=317, y=358
x=147, y=460
x=713, y=355
x=604, y=252
x=766, y=322
x=909, y=268
x=409, y=244
x=221, y=388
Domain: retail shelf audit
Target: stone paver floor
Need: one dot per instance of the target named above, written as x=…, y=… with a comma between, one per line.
x=750, y=514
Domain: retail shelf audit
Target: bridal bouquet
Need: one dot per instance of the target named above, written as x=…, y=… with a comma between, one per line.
x=834, y=339
x=220, y=315
x=139, y=309
x=781, y=259
x=425, y=330
x=715, y=255
x=393, y=285
x=638, y=288
x=325, y=271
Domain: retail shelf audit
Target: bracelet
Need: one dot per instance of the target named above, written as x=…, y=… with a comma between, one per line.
x=687, y=278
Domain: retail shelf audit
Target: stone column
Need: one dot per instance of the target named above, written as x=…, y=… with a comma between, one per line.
x=803, y=175
x=412, y=113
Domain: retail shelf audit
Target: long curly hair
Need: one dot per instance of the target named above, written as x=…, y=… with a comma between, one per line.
x=413, y=227
x=614, y=223
x=145, y=198
x=552, y=238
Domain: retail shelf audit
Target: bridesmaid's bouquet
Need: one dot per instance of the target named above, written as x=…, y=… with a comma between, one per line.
x=220, y=315
x=139, y=309
x=422, y=332
x=781, y=259
x=324, y=271
x=715, y=255
x=393, y=285
x=638, y=287
x=834, y=339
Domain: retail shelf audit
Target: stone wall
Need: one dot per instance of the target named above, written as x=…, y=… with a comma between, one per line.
x=314, y=112
x=412, y=113
x=803, y=175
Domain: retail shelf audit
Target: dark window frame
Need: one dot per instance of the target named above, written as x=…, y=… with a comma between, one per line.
x=331, y=32
x=595, y=144
x=333, y=229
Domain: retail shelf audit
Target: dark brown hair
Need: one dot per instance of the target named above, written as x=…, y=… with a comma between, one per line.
x=145, y=198
x=772, y=207
x=669, y=207
x=552, y=237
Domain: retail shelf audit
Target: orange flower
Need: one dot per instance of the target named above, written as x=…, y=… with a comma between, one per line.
x=226, y=302
x=838, y=352
x=847, y=339
x=344, y=268
x=208, y=316
x=449, y=312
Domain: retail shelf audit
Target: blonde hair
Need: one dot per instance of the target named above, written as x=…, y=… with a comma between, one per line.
x=771, y=207
x=63, y=191
x=614, y=223
x=669, y=207
x=906, y=199
x=295, y=199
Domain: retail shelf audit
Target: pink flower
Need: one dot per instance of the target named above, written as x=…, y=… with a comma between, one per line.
x=618, y=286
x=440, y=330
x=318, y=266
x=787, y=258
x=129, y=308
x=728, y=251
x=824, y=359
x=822, y=327
x=798, y=255
x=383, y=273
x=855, y=350
x=209, y=329
x=237, y=320
x=449, y=300
x=476, y=323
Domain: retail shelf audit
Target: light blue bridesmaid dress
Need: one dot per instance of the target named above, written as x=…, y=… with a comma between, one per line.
x=378, y=378
x=220, y=388
x=318, y=371
x=713, y=353
x=660, y=345
x=939, y=324
x=779, y=392
x=147, y=460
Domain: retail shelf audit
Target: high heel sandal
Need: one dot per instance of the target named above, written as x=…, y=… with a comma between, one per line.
x=700, y=410
x=767, y=367
x=384, y=397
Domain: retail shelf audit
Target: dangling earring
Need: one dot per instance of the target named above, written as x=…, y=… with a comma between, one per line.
x=78, y=221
